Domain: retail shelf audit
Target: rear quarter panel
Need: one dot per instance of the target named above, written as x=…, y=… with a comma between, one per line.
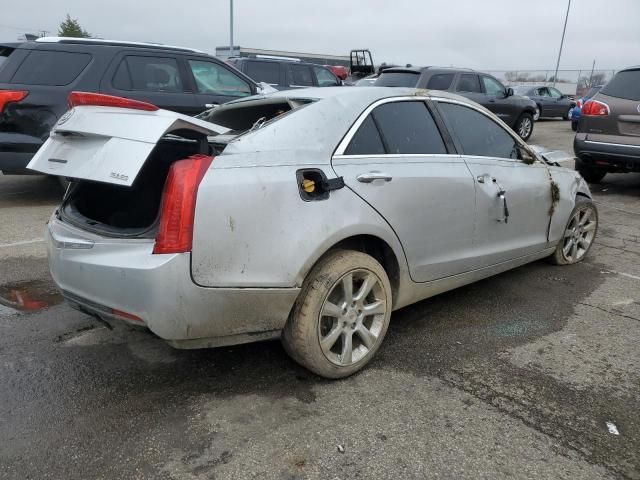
x=252, y=228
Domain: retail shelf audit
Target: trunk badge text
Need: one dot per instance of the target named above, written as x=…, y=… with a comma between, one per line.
x=119, y=176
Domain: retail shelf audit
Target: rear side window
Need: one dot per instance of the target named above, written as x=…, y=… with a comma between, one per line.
x=441, y=81
x=478, y=134
x=625, y=84
x=366, y=141
x=268, y=72
x=47, y=67
x=151, y=74
x=408, y=127
x=4, y=54
x=300, y=76
x=469, y=83
x=398, y=79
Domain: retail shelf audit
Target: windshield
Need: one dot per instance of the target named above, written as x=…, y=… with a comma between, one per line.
x=625, y=85
x=398, y=79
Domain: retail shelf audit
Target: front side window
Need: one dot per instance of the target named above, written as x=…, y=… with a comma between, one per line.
x=151, y=74
x=325, y=77
x=48, y=67
x=555, y=93
x=469, y=83
x=441, y=81
x=478, y=134
x=493, y=87
x=268, y=72
x=408, y=128
x=215, y=79
x=300, y=76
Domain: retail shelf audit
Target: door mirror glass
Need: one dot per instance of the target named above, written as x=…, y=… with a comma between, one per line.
x=509, y=92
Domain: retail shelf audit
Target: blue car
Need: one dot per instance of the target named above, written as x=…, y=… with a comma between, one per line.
x=577, y=110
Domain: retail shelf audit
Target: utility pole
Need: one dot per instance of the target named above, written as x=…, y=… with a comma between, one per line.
x=231, y=28
x=555, y=77
x=593, y=67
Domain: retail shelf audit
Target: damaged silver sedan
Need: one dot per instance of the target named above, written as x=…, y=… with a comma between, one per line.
x=307, y=215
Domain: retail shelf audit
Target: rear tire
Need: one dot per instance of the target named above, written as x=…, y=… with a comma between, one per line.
x=524, y=126
x=341, y=315
x=579, y=233
x=590, y=174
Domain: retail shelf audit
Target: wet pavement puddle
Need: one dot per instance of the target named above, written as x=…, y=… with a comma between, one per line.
x=27, y=296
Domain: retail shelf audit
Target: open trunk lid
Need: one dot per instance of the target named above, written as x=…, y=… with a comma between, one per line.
x=111, y=144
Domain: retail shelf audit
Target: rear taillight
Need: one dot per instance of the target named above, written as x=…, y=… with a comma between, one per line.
x=9, y=96
x=99, y=100
x=177, y=211
x=594, y=108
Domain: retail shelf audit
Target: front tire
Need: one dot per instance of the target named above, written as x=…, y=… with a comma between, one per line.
x=524, y=126
x=341, y=315
x=579, y=233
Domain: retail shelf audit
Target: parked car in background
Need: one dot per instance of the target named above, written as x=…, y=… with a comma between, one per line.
x=367, y=81
x=608, y=136
x=549, y=101
x=516, y=111
x=577, y=110
x=339, y=71
x=286, y=74
x=362, y=201
x=37, y=77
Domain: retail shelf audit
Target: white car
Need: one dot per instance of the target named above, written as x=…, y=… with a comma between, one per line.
x=308, y=215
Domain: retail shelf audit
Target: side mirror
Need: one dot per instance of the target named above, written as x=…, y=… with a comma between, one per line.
x=509, y=92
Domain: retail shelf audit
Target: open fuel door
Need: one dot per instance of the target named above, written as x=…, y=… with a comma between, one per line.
x=110, y=144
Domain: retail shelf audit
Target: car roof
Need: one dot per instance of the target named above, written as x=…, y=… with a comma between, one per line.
x=413, y=69
x=319, y=126
x=98, y=42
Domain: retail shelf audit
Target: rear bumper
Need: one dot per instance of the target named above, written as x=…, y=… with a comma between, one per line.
x=614, y=156
x=99, y=275
x=15, y=162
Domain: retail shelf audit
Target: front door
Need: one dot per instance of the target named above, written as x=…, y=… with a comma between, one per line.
x=498, y=102
x=513, y=190
x=398, y=162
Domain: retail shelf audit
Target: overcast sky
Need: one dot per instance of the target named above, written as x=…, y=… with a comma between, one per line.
x=482, y=34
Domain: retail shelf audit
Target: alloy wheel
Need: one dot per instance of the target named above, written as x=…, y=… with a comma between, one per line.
x=579, y=234
x=352, y=317
x=524, y=129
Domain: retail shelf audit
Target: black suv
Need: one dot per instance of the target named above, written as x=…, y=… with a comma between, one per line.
x=37, y=77
x=516, y=111
x=286, y=74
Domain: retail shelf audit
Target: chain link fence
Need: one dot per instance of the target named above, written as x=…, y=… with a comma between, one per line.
x=569, y=82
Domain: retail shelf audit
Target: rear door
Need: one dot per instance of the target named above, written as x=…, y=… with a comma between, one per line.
x=397, y=160
x=107, y=144
x=498, y=162
x=157, y=78
x=469, y=86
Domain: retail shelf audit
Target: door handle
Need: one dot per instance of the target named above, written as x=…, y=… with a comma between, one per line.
x=372, y=176
x=483, y=178
x=211, y=105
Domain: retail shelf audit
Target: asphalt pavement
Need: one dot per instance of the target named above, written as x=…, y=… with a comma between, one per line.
x=532, y=374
